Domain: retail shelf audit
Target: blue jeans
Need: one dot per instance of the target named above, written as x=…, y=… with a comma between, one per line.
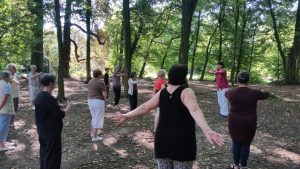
x=240, y=151
x=4, y=126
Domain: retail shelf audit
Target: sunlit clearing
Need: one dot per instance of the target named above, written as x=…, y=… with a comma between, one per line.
x=255, y=150
x=110, y=140
x=287, y=155
x=19, y=124
x=145, y=139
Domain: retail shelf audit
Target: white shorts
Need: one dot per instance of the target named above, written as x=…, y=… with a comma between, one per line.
x=97, y=107
x=33, y=91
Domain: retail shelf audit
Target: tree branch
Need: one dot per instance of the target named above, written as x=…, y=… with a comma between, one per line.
x=92, y=34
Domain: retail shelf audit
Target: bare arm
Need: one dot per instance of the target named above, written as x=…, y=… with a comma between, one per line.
x=37, y=75
x=104, y=93
x=4, y=101
x=141, y=110
x=190, y=101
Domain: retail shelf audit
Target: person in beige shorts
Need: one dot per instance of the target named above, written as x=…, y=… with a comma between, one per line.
x=33, y=82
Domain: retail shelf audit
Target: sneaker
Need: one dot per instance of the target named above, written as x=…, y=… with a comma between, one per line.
x=7, y=148
x=97, y=138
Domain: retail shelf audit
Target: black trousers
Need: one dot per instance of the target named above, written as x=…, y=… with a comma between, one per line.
x=133, y=100
x=240, y=152
x=50, y=152
x=16, y=106
x=117, y=91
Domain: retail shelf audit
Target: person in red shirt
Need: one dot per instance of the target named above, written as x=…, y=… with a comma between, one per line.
x=159, y=83
x=222, y=87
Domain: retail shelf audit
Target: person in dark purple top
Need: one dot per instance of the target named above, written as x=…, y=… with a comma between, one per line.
x=242, y=118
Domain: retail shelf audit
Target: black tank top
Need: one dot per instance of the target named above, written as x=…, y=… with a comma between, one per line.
x=175, y=136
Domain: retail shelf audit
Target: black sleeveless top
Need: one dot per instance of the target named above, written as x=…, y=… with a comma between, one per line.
x=175, y=137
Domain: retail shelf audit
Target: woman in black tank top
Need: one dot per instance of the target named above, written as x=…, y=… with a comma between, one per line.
x=175, y=137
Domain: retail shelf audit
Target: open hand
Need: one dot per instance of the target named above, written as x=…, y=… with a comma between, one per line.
x=214, y=138
x=119, y=117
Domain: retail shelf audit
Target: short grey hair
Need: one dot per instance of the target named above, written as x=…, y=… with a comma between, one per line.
x=11, y=65
x=161, y=72
x=33, y=66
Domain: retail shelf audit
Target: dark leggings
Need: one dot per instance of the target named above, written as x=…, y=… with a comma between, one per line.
x=133, y=100
x=240, y=151
x=117, y=91
x=16, y=106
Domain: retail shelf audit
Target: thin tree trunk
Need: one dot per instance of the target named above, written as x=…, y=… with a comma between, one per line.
x=61, y=90
x=146, y=58
x=188, y=8
x=220, y=20
x=88, y=40
x=195, y=44
x=235, y=45
x=241, y=50
x=207, y=53
x=252, y=49
x=66, y=38
x=166, y=53
x=37, y=29
x=276, y=34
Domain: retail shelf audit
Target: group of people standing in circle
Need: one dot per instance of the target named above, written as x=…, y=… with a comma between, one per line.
x=177, y=113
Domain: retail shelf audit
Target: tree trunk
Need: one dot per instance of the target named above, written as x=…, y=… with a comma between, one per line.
x=37, y=30
x=188, y=7
x=61, y=90
x=142, y=70
x=241, y=50
x=166, y=53
x=66, y=38
x=220, y=20
x=252, y=49
x=195, y=44
x=207, y=53
x=292, y=66
x=235, y=43
x=276, y=34
x=127, y=41
x=88, y=40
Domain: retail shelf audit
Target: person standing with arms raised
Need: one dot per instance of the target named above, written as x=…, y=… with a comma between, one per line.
x=242, y=119
x=222, y=87
x=175, y=137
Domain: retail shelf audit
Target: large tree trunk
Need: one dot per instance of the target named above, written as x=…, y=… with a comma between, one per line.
x=127, y=41
x=61, y=90
x=188, y=8
x=235, y=43
x=195, y=44
x=241, y=47
x=37, y=29
x=220, y=21
x=88, y=40
x=207, y=53
x=66, y=38
x=292, y=66
x=276, y=34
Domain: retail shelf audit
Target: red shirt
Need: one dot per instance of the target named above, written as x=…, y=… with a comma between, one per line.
x=221, y=79
x=159, y=83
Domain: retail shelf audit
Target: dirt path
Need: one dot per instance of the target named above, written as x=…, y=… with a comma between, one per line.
x=276, y=144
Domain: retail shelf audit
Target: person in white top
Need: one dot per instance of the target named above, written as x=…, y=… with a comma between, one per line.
x=15, y=88
x=33, y=82
x=6, y=110
x=133, y=91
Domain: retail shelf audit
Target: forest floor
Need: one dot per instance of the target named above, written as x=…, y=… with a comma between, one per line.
x=130, y=145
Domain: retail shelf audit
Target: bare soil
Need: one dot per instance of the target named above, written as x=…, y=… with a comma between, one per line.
x=130, y=145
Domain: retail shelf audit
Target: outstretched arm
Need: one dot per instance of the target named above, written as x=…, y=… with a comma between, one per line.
x=141, y=110
x=189, y=100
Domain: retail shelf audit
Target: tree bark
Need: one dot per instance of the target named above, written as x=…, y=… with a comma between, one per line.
x=207, y=53
x=220, y=20
x=88, y=40
x=61, y=90
x=241, y=47
x=276, y=34
x=37, y=30
x=66, y=38
x=166, y=53
x=292, y=66
x=188, y=8
x=252, y=49
x=195, y=44
x=235, y=43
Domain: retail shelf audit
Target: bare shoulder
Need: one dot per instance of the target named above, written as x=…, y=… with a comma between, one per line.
x=187, y=92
